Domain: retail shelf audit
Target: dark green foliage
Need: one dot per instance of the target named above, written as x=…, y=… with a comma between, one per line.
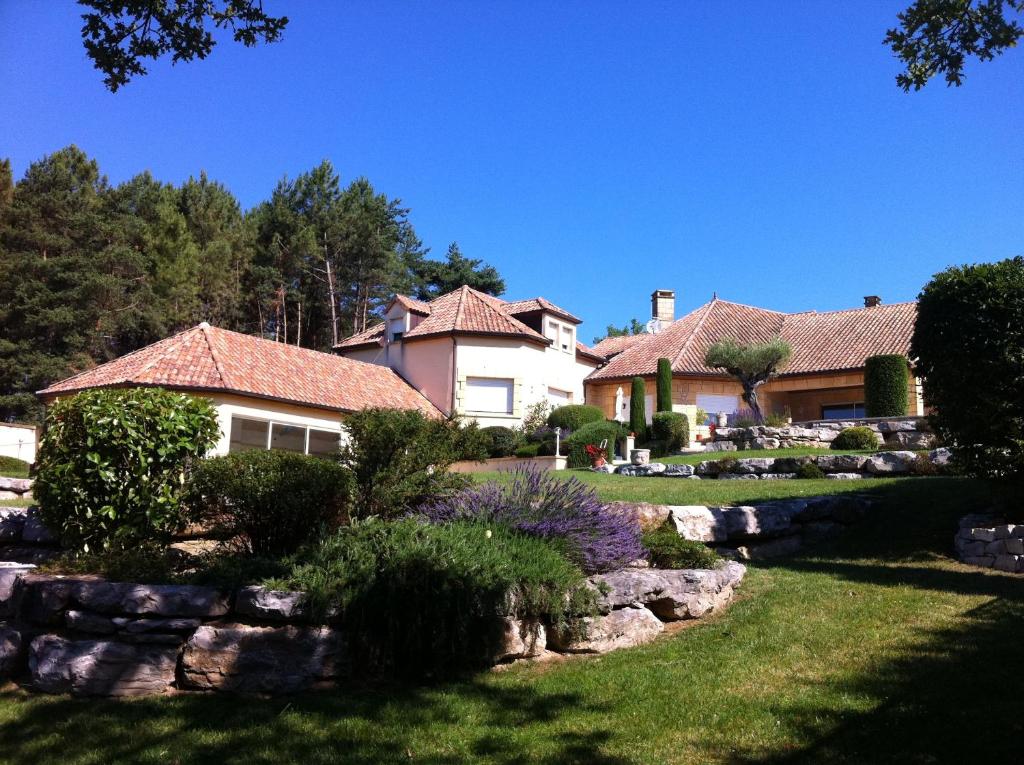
x=638, y=408
x=574, y=416
x=269, y=503
x=969, y=346
x=399, y=459
x=529, y=450
x=635, y=327
x=886, y=378
x=860, y=437
x=112, y=464
x=777, y=419
x=658, y=447
x=809, y=470
x=938, y=36
x=11, y=467
x=923, y=466
x=437, y=277
x=501, y=442
x=752, y=364
x=664, y=383
x=592, y=433
x=666, y=548
x=419, y=600
x=120, y=34
x=673, y=428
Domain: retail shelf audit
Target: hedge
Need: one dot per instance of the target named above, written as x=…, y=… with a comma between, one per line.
x=673, y=428
x=574, y=416
x=885, y=385
x=501, y=441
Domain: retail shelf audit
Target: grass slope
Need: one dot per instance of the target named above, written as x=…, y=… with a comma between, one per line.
x=877, y=648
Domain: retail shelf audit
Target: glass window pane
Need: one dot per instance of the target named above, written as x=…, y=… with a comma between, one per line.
x=288, y=438
x=323, y=443
x=842, y=411
x=247, y=434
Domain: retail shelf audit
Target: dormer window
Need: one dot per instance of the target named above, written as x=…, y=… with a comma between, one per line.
x=561, y=335
x=396, y=328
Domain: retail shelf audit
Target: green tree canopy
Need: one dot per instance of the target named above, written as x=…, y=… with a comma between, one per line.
x=437, y=277
x=635, y=327
x=752, y=364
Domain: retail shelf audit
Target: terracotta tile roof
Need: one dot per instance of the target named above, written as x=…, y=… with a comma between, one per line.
x=468, y=311
x=583, y=350
x=412, y=304
x=613, y=345
x=210, y=359
x=821, y=341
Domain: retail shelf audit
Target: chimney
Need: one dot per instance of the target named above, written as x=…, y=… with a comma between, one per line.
x=663, y=305
x=871, y=301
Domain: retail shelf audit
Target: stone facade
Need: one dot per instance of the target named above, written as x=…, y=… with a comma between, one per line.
x=904, y=433
x=985, y=541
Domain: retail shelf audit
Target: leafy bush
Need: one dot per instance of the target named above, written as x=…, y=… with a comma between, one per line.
x=885, y=385
x=657, y=447
x=923, y=466
x=501, y=442
x=593, y=434
x=536, y=417
x=13, y=468
x=399, y=459
x=673, y=428
x=590, y=533
x=638, y=408
x=574, y=416
x=471, y=443
x=860, y=437
x=528, y=450
x=667, y=549
x=418, y=599
x=809, y=470
x=664, y=386
x=270, y=502
x=967, y=342
x=112, y=464
x=742, y=418
x=778, y=419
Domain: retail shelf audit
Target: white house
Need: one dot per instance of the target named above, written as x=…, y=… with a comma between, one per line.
x=480, y=357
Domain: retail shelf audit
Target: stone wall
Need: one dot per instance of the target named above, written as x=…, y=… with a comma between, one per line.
x=834, y=466
x=752, y=532
x=90, y=637
x=904, y=433
x=983, y=540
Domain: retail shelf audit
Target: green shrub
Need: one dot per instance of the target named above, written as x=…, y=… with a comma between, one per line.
x=638, y=408
x=673, y=428
x=885, y=385
x=664, y=383
x=471, y=443
x=399, y=459
x=502, y=442
x=860, y=437
x=529, y=450
x=778, y=419
x=923, y=466
x=112, y=464
x=13, y=468
x=967, y=342
x=574, y=416
x=667, y=549
x=593, y=433
x=420, y=600
x=809, y=470
x=270, y=502
x=657, y=447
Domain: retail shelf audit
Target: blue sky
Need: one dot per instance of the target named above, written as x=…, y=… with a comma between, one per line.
x=592, y=151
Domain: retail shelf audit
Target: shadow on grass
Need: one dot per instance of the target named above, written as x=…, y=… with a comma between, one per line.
x=350, y=726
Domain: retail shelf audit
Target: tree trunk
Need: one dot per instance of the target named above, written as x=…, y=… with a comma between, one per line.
x=750, y=397
x=333, y=298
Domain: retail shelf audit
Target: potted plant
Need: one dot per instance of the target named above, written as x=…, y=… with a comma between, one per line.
x=598, y=455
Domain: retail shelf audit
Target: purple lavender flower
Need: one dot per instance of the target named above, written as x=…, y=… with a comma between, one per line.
x=593, y=535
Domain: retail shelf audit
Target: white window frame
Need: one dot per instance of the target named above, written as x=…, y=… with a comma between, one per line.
x=511, y=406
x=270, y=423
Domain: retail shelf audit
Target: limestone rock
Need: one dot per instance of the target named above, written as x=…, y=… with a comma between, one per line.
x=720, y=446
x=844, y=476
x=679, y=470
x=17, y=485
x=100, y=667
x=272, y=605
x=10, y=573
x=941, y=457
x=885, y=463
x=237, y=657
x=841, y=463
x=897, y=426
x=156, y=599
x=12, y=521
x=764, y=443
x=912, y=440
x=736, y=477
x=623, y=628
x=46, y=598
x=698, y=523
x=754, y=465
x=1011, y=563
x=648, y=515
x=516, y=639
x=10, y=652
x=755, y=521
x=670, y=593
x=86, y=621
x=1015, y=546
x=34, y=532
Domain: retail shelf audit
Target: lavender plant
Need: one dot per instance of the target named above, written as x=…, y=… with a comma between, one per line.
x=593, y=535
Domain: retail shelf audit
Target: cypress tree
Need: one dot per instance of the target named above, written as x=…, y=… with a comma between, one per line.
x=664, y=385
x=638, y=408
x=885, y=385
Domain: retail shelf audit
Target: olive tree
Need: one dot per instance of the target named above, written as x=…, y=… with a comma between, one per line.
x=752, y=364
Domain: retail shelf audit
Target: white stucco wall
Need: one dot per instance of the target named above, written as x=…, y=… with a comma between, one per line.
x=18, y=441
x=228, y=405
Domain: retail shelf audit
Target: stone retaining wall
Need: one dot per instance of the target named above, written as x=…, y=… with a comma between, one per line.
x=834, y=466
x=91, y=637
x=985, y=541
x=904, y=433
x=15, y=488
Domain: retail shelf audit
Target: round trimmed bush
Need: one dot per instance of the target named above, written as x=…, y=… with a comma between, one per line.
x=574, y=416
x=593, y=433
x=113, y=462
x=885, y=385
x=809, y=470
x=501, y=441
x=666, y=548
x=860, y=437
x=528, y=450
x=673, y=428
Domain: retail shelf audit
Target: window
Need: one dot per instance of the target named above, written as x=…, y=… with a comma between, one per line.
x=567, y=344
x=487, y=394
x=396, y=328
x=558, y=397
x=551, y=333
x=842, y=411
x=249, y=434
x=716, y=404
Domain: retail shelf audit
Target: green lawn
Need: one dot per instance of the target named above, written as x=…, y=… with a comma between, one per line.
x=13, y=468
x=15, y=502
x=876, y=648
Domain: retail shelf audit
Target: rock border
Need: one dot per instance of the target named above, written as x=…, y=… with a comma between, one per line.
x=987, y=542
